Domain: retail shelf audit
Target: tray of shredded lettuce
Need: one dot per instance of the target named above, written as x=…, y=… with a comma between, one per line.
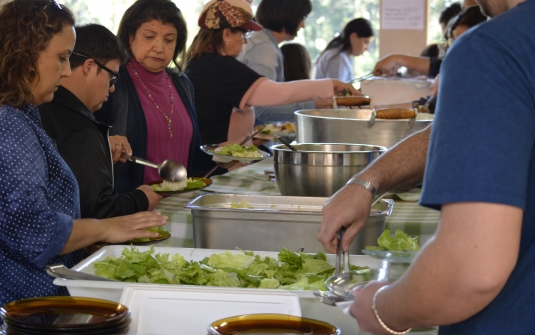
x=288, y=271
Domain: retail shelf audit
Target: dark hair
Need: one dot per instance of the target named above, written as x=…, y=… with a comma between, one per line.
x=449, y=13
x=26, y=28
x=297, y=62
x=279, y=15
x=469, y=17
x=164, y=11
x=362, y=27
x=97, y=42
x=431, y=51
x=208, y=40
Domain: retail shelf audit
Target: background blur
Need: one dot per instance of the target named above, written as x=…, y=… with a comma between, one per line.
x=326, y=20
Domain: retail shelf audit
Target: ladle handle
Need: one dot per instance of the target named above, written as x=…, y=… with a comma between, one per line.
x=286, y=143
x=339, y=235
x=142, y=161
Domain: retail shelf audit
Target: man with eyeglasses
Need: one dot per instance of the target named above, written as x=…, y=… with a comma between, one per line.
x=83, y=141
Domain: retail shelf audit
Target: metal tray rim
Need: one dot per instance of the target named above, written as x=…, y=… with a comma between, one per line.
x=191, y=205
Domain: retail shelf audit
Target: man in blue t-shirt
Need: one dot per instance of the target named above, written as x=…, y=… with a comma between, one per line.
x=475, y=276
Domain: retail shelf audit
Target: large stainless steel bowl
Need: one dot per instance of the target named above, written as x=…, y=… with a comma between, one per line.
x=319, y=170
x=355, y=126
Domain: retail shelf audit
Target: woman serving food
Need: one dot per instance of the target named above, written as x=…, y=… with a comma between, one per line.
x=222, y=83
x=153, y=102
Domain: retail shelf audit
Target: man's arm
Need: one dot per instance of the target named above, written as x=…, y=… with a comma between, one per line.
x=401, y=166
x=457, y=274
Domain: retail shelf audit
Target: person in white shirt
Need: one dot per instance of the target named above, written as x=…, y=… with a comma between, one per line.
x=336, y=61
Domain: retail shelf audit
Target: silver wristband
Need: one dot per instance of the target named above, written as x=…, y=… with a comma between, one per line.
x=364, y=183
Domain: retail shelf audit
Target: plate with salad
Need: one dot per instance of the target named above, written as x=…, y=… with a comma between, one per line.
x=169, y=188
x=272, y=130
x=400, y=248
x=162, y=236
x=234, y=152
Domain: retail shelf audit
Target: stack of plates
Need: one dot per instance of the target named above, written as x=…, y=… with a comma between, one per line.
x=64, y=315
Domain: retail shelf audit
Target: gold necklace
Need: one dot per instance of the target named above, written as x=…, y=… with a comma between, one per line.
x=167, y=117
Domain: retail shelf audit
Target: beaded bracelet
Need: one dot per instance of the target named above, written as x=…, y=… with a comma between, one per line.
x=385, y=327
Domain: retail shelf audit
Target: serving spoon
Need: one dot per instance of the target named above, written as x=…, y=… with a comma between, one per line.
x=169, y=170
x=60, y=271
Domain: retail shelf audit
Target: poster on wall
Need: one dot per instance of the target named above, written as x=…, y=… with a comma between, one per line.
x=403, y=14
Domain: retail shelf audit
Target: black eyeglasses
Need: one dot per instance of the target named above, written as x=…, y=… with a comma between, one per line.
x=53, y=2
x=114, y=75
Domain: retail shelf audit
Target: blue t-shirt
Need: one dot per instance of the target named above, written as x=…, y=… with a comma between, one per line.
x=482, y=149
x=39, y=198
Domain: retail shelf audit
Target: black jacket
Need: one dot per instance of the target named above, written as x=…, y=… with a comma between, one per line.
x=124, y=113
x=83, y=143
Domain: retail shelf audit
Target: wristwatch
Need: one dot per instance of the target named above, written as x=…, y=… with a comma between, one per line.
x=364, y=183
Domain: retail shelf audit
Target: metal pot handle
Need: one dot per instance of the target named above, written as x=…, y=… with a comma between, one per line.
x=394, y=114
x=351, y=101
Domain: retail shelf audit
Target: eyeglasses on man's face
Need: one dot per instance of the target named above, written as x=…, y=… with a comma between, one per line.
x=114, y=75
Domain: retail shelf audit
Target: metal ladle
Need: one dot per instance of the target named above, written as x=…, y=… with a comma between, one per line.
x=169, y=170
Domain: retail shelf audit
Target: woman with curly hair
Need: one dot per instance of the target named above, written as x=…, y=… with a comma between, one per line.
x=40, y=202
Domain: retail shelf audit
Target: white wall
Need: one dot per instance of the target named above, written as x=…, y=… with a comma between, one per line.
x=409, y=42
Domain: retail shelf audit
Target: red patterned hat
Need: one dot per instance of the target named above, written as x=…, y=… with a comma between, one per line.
x=221, y=14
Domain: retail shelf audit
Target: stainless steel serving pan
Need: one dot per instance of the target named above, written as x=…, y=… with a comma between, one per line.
x=358, y=126
x=271, y=223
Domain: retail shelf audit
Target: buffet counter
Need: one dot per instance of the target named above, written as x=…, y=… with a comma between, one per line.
x=408, y=216
x=252, y=179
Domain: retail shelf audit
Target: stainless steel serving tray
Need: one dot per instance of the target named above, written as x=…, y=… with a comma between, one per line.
x=270, y=223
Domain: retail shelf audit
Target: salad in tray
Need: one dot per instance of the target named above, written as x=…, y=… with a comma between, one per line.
x=290, y=271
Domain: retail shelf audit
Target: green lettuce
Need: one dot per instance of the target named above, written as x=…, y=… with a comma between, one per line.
x=400, y=242
x=290, y=271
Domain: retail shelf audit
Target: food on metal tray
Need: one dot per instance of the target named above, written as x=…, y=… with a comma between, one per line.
x=400, y=242
x=242, y=204
x=287, y=127
x=291, y=271
x=236, y=150
x=189, y=184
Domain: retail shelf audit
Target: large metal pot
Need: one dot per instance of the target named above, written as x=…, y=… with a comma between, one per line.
x=355, y=126
x=319, y=170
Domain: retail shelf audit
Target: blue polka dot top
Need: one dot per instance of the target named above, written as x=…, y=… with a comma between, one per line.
x=39, y=198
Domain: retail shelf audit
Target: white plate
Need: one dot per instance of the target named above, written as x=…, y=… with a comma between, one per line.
x=392, y=256
x=225, y=159
x=175, y=309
